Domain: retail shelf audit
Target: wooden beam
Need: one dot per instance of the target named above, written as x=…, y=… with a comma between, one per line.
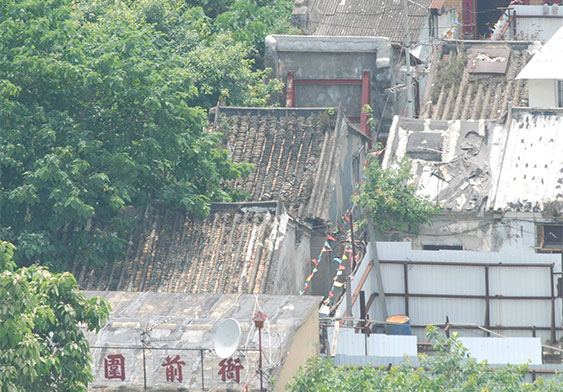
x=359, y=288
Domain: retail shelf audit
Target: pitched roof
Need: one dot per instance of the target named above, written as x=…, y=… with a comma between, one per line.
x=531, y=171
x=465, y=81
x=381, y=18
x=546, y=64
x=229, y=251
x=450, y=159
x=295, y=153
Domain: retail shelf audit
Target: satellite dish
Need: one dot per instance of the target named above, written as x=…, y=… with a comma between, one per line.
x=227, y=338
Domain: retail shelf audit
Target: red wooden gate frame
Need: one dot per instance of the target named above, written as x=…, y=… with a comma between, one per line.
x=364, y=82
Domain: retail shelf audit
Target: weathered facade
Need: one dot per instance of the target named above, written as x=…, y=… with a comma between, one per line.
x=528, y=196
x=346, y=72
x=164, y=342
x=499, y=183
x=529, y=22
x=452, y=167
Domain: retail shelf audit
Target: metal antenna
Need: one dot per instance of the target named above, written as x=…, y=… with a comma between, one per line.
x=408, y=61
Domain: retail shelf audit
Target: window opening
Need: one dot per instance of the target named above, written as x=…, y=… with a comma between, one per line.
x=442, y=247
x=550, y=237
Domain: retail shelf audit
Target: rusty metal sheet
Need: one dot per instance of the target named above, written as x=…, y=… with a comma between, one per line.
x=488, y=60
x=437, y=4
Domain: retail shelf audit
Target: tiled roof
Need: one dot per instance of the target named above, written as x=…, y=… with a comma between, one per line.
x=229, y=251
x=294, y=152
x=531, y=175
x=374, y=18
x=456, y=92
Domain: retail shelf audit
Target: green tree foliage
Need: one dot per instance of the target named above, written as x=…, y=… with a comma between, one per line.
x=219, y=52
x=103, y=106
x=390, y=197
x=450, y=370
x=251, y=20
x=41, y=345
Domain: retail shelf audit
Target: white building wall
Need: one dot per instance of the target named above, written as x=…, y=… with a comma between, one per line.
x=463, y=280
x=533, y=23
x=514, y=235
x=538, y=28
x=542, y=93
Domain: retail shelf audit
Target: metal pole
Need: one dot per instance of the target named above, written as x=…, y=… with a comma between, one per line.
x=406, y=283
x=144, y=343
x=408, y=61
x=260, y=363
x=144, y=369
x=363, y=317
x=487, y=301
x=202, y=379
x=350, y=272
x=553, y=333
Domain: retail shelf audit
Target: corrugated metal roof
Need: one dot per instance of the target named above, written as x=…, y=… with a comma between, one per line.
x=546, y=64
x=531, y=174
x=382, y=18
x=500, y=351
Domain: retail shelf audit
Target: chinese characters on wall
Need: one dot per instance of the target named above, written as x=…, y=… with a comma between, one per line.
x=114, y=368
x=173, y=368
x=230, y=370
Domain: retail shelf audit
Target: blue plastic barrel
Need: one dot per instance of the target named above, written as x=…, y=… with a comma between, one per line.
x=398, y=325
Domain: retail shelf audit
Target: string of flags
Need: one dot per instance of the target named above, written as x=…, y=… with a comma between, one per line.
x=325, y=249
x=341, y=224
x=347, y=254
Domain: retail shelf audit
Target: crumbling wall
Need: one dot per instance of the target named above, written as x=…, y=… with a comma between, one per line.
x=472, y=232
x=334, y=58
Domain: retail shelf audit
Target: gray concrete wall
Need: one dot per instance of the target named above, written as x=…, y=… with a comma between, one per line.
x=514, y=232
x=351, y=143
x=514, y=235
x=472, y=232
x=291, y=258
x=518, y=231
x=313, y=57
